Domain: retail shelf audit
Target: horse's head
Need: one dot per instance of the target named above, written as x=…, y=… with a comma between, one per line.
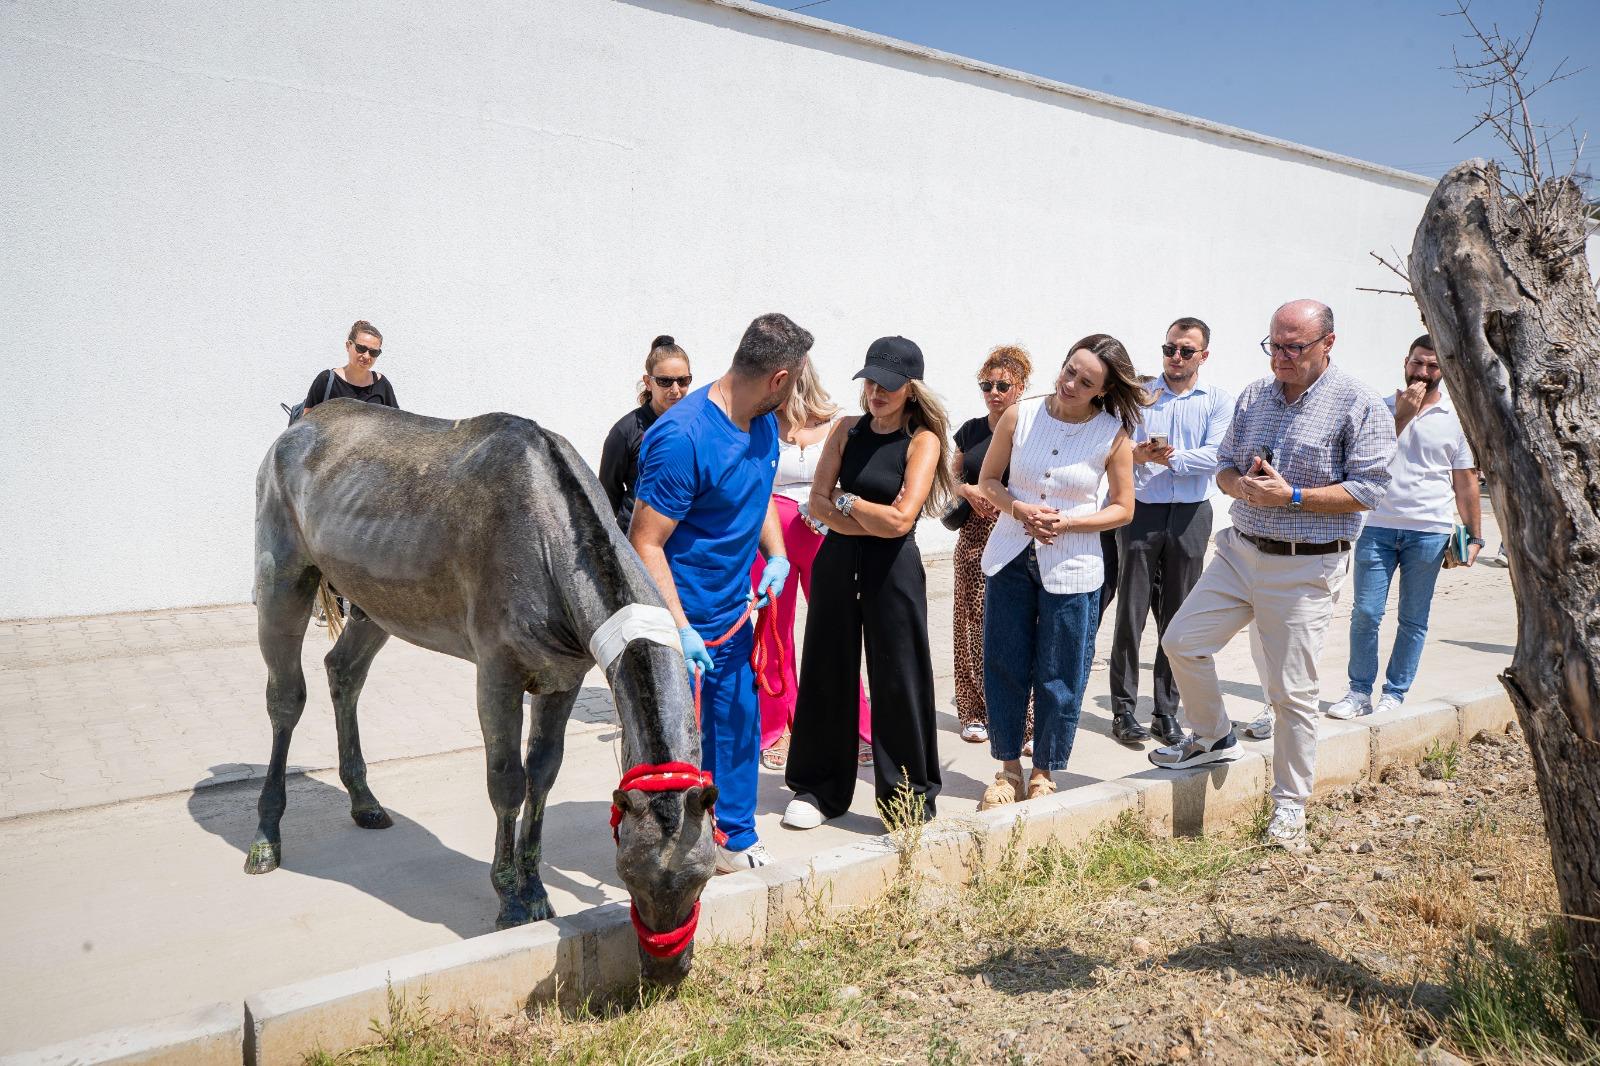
x=665, y=854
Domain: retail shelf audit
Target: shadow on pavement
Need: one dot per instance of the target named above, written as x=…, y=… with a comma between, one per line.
x=405, y=866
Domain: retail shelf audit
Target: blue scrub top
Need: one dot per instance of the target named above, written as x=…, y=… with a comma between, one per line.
x=715, y=479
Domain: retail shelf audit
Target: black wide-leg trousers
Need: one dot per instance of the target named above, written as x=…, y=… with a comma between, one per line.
x=1163, y=547
x=867, y=591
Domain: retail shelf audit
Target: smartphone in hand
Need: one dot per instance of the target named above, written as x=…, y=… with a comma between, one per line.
x=1158, y=439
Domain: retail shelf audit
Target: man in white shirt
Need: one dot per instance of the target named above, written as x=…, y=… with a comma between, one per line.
x=1409, y=531
x=1164, y=547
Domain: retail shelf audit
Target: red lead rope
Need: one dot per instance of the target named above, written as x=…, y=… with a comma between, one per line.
x=677, y=776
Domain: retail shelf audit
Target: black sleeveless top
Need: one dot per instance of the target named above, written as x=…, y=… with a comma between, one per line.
x=873, y=465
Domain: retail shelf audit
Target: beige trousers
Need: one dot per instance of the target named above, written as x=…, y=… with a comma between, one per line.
x=1290, y=598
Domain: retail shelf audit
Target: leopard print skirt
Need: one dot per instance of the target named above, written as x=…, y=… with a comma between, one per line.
x=968, y=621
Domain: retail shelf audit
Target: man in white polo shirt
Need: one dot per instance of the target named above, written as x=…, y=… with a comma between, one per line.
x=1409, y=531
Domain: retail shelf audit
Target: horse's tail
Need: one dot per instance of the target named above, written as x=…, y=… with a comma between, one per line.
x=330, y=609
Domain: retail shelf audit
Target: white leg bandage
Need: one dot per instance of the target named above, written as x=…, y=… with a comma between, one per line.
x=636, y=621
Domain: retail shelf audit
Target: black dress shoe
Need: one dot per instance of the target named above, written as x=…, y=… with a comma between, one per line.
x=1126, y=728
x=1166, y=727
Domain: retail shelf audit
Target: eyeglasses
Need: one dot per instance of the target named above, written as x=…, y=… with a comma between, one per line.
x=667, y=383
x=997, y=386
x=1271, y=347
x=362, y=349
x=1170, y=350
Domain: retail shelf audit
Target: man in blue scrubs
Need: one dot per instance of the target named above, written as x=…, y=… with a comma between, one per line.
x=704, y=504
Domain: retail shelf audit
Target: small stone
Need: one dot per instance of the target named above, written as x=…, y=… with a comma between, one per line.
x=847, y=994
x=1179, y=1053
x=1141, y=945
x=1434, y=788
x=1414, y=819
x=802, y=944
x=1483, y=873
x=905, y=995
x=1366, y=847
x=1152, y=912
x=1005, y=1038
x=1366, y=915
x=1469, y=801
x=909, y=937
x=1438, y=1056
x=1384, y=873
x=1149, y=884
x=1313, y=868
x=1121, y=1021
x=1320, y=906
x=1484, y=736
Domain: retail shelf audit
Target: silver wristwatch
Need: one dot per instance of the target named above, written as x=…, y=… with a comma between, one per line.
x=846, y=501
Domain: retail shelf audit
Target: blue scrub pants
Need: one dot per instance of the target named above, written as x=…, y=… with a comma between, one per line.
x=730, y=733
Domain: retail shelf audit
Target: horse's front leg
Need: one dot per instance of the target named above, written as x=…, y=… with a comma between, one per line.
x=547, y=733
x=500, y=690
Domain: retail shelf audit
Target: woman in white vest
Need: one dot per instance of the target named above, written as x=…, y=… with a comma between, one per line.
x=1042, y=565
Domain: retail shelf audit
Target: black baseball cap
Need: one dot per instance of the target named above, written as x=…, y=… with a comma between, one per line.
x=891, y=362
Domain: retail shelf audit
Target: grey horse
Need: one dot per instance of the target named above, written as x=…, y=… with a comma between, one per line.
x=488, y=539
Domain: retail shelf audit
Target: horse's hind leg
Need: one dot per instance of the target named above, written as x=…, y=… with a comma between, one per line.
x=547, y=733
x=283, y=607
x=347, y=665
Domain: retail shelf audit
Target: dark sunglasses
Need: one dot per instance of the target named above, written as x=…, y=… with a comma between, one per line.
x=667, y=383
x=1170, y=350
x=362, y=349
x=1001, y=386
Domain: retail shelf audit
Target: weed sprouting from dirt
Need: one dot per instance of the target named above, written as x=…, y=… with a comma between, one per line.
x=1515, y=997
x=1442, y=761
x=905, y=819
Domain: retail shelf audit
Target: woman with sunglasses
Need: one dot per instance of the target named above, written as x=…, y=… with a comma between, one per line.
x=356, y=378
x=1003, y=378
x=666, y=381
x=804, y=422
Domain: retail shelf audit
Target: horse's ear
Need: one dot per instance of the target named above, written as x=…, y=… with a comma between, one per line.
x=702, y=799
x=621, y=800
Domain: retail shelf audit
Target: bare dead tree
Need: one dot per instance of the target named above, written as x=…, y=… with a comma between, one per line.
x=1499, y=272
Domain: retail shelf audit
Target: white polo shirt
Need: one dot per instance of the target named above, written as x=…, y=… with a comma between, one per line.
x=1421, y=494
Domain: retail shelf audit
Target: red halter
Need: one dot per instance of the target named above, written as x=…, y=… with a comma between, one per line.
x=677, y=776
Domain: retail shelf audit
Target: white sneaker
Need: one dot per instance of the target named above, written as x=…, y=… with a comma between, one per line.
x=1388, y=702
x=1354, y=705
x=1287, y=829
x=731, y=862
x=1261, y=728
x=803, y=813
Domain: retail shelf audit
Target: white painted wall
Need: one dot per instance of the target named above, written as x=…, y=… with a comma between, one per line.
x=197, y=199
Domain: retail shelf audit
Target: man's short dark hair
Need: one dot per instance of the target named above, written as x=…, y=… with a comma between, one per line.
x=770, y=344
x=1187, y=322
x=1424, y=341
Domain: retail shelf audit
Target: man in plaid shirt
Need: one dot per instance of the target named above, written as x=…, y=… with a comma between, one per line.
x=1308, y=450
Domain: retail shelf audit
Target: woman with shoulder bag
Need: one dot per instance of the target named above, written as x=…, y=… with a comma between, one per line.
x=1003, y=378
x=356, y=379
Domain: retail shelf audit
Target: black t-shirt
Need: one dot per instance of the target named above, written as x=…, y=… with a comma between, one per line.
x=380, y=391
x=619, y=460
x=972, y=441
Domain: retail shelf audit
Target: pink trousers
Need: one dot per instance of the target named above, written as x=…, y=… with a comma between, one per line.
x=778, y=711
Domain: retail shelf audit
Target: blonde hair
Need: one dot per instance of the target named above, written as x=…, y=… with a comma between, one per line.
x=924, y=410
x=662, y=348
x=808, y=402
x=1011, y=358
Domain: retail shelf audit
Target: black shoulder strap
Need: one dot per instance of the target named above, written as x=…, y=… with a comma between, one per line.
x=327, y=392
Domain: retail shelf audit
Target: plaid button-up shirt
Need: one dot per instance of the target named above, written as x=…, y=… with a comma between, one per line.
x=1337, y=433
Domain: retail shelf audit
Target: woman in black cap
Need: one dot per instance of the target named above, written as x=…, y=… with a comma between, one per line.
x=666, y=381
x=877, y=473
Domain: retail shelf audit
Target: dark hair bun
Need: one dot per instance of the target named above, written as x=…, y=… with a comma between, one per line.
x=663, y=341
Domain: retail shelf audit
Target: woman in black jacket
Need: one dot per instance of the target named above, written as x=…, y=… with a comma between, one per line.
x=666, y=381
x=356, y=378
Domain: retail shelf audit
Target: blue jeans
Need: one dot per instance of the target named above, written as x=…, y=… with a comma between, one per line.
x=1419, y=557
x=1040, y=642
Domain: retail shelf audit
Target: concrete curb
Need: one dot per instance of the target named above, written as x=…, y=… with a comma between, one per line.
x=594, y=951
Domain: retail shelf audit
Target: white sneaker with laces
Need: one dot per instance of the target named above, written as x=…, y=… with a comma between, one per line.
x=803, y=813
x=731, y=862
x=1287, y=829
x=1388, y=702
x=1261, y=727
x=1354, y=705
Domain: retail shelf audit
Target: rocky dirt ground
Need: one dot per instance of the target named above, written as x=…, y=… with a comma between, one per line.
x=1419, y=928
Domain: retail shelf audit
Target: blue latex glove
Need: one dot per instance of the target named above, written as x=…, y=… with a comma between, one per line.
x=695, y=655
x=773, y=576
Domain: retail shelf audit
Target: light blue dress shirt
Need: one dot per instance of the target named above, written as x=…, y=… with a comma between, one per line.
x=1194, y=423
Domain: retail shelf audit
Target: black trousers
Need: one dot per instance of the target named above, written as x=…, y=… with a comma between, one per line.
x=873, y=591
x=1108, y=587
x=1162, y=553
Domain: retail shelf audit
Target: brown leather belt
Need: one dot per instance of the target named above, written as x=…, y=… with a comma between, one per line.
x=1289, y=547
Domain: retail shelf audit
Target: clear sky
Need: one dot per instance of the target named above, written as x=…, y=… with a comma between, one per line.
x=1364, y=78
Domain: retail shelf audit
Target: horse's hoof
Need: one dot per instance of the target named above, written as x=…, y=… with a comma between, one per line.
x=375, y=818
x=263, y=858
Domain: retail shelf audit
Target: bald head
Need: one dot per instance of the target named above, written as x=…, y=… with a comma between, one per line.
x=1300, y=314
